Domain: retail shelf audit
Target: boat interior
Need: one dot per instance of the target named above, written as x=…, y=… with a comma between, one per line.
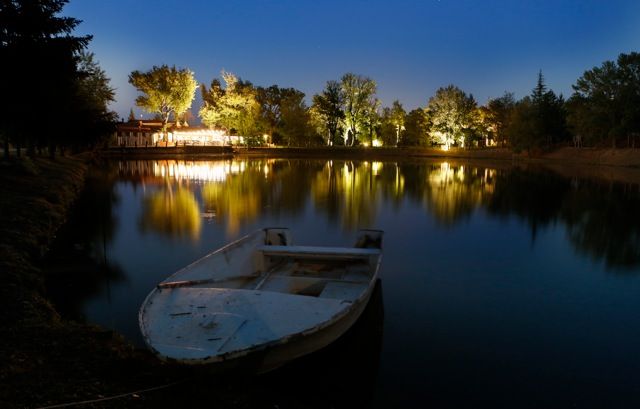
x=323, y=272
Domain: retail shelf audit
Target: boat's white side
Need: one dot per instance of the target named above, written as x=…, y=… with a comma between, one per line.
x=245, y=301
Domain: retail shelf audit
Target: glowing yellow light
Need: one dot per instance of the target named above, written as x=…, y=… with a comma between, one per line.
x=376, y=167
x=365, y=144
x=377, y=142
x=445, y=147
x=197, y=171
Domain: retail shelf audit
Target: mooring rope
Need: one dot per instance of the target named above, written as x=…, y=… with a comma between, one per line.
x=120, y=396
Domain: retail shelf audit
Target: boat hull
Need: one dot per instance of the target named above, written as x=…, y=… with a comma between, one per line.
x=190, y=320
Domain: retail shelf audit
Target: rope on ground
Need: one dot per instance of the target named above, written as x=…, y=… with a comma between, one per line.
x=122, y=395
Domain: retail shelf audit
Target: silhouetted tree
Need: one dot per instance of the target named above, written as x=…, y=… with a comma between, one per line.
x=538, y=121
x=329, y=107
x=499, y=112
x=39, y=66
x=417, y=127
x=294, y=119
x=284, y=115
x=606, y=102
x=392, y=124
x=92, y=115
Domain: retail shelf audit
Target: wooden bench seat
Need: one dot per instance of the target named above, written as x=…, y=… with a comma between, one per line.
x=318, y=252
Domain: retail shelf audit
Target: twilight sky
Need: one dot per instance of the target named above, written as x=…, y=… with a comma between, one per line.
x=409, y=47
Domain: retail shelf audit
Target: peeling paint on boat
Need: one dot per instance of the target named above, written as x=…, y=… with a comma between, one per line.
x=260, y=295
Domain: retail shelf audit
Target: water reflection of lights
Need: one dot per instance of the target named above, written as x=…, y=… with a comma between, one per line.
x=447, y=174
x=197, y=171
x=376, y=167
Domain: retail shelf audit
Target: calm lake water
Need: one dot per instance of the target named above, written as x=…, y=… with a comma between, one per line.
x=501, y=287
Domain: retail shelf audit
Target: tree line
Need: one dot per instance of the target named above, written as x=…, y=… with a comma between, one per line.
x=55, y=95
x=604, y=109
x=65, y=105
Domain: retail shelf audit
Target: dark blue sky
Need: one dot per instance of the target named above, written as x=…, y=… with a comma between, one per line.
x=409, y=47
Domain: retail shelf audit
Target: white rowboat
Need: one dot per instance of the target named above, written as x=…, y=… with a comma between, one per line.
x=260, y=301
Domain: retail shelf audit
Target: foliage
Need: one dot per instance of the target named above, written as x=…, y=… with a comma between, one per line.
x=269, y=100
x=392, y=124
x=234, y=108
x=93, y=94
x=294, y=119
x=328, y=108
x=359, y=105
x=452, y=114
x=606, y=101
x=284, y=115
x=538, y=121
x=497, y=114
x=166, y=90
x=417, y=127
x=522, y=130
x=33, y=34
x=371, y=122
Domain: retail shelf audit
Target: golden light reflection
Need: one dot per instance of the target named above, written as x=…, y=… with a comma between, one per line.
x=173, y=212
x=234, y=193
x=235, y=201
x=376, y=167
x=200, y=171
x=348, y=191
x=455, y=191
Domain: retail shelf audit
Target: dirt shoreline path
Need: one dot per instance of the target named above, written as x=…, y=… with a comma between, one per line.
x=45, y=360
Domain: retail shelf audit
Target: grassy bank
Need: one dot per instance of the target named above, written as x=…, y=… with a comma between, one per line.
x=44, y=359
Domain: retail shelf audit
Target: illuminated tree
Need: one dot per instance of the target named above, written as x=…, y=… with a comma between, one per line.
x=359, y=103
x=166, y=90
x=451, y=112
x=372, y=121
x=328, y=105
x=234, y=107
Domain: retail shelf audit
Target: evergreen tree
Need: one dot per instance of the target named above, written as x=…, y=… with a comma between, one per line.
x=538, y=121
x=33, y=35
